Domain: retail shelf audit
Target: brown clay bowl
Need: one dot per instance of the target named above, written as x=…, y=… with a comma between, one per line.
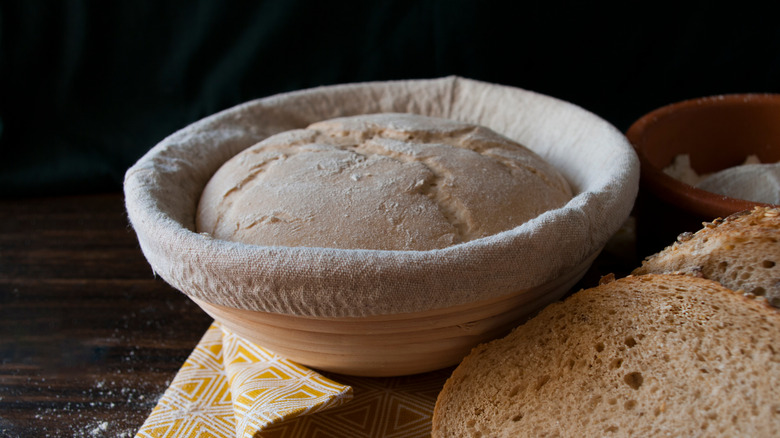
x=716, y=132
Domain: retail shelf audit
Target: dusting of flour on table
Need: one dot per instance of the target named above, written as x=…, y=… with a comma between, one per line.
x=751, y=181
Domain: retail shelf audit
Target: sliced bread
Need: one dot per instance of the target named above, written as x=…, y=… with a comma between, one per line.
x=742, y=252
x=651, y=355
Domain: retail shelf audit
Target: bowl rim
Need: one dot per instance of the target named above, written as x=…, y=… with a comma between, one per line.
x=674, y=191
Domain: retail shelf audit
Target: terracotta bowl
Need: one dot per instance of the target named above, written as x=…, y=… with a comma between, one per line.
x=716, y=132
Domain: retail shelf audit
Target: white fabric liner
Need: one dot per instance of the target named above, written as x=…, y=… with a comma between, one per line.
x=163, y=188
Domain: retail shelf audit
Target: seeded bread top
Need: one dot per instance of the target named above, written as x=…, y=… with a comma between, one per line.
x=741, y=251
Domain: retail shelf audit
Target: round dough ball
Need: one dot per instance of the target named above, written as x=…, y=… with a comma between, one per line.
x=381, y=181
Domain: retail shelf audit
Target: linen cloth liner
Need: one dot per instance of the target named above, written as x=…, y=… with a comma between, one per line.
x=163, y=188
x=230, y=387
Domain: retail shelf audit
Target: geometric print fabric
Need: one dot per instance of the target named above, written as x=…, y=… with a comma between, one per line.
x=230, y=387
x=391, y=407
x=268, y=389
x=197, y=403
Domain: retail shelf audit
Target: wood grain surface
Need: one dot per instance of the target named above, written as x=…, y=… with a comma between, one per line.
x=89, y=338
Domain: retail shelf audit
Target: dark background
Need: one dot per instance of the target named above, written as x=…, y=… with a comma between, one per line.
x=86, y=87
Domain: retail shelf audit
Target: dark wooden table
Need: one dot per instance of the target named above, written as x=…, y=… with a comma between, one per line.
x=89, y=338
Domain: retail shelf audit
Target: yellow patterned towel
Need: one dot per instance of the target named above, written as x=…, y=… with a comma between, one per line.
x=230, y=387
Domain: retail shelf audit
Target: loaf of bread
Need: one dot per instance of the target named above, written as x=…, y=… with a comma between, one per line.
x=382, y=181
x=652, y=355
x=742, y=252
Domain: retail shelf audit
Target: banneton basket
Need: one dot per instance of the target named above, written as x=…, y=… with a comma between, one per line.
x=372, y=312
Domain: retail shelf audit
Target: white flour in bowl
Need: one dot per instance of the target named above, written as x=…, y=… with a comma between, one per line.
x=751, y=181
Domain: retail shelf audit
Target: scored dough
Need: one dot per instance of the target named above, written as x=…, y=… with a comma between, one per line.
x=382, y=181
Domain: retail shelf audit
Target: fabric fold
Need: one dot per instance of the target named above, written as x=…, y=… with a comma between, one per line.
x=268, y=389
x=230, y=387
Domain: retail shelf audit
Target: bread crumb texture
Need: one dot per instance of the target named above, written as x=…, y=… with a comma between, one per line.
x=742, y=252
x=382, y=181
x=651, y=355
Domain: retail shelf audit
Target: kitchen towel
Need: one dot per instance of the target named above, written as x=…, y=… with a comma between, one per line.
x=230, y=387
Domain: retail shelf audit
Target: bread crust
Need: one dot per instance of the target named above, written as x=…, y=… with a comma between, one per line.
x=381, y=181
x=650, y=355
x=742, y=252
